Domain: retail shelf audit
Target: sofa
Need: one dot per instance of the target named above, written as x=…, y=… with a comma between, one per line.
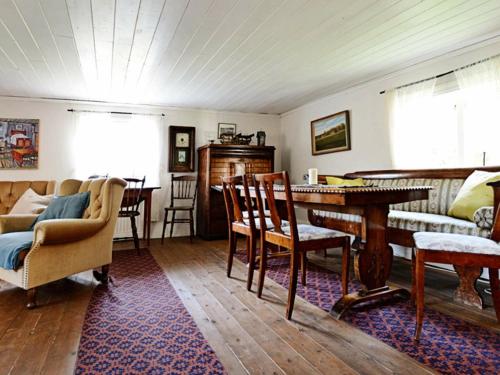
x=63, y=247
x=11, y=191
x=426, y=215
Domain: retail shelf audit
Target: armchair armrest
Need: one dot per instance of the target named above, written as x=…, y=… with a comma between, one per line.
x=66, y=230
x=16, y=223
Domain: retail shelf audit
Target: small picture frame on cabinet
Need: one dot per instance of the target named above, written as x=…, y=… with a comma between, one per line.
x=181, y=143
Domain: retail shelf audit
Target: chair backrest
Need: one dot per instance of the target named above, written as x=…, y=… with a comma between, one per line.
x=231, y=188
x=265, y=182
x=132, y=194
x=183, y=187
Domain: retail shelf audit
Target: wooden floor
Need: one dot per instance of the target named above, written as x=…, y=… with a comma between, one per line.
x=249, y=335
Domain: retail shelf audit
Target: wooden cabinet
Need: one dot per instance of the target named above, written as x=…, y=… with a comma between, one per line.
x=214, y=162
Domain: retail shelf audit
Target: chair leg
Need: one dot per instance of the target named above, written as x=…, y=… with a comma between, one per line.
x=103, y=276
x=495, y=290
x=346, y=264
x=325, y=253
x=413, y=277
x=419, y=276
x=262, y=268
x=251, y=261
x=172, y=223
x=247, y=244
x=164, y=226
x=31, y=293
x=135, y=235
x=191, y=226
x=292, y=288
x=303, y=267
x=231, y=251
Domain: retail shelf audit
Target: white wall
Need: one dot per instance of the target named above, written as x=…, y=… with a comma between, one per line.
x=57, y=127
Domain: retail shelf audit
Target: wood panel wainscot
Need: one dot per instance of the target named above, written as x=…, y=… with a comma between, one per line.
x=216, y=161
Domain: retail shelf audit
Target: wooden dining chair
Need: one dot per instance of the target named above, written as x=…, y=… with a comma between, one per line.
x=184, y=189
x=130, y=205
x=297, y=238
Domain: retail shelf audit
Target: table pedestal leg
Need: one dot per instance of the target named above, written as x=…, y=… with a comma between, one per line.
x=372, y=263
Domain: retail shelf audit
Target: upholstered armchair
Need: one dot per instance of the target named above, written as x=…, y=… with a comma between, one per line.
x=63, y=247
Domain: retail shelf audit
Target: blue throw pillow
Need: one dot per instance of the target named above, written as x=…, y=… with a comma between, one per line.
x=65, y=207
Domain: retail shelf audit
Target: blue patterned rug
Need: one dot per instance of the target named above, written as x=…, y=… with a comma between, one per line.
x=139, y=325
x=448, y=345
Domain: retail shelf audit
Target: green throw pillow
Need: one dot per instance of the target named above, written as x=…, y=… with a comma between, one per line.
x=330, y=180
x=473, y=194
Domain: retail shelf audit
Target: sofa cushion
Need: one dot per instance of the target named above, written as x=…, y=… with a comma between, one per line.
x=442, y=195
x=419, y=221
x=474, y=194
x=483, y=217
x=456, y=243
x=422, y=222
x=31, y=203
x=67, y=207
x=11, y=246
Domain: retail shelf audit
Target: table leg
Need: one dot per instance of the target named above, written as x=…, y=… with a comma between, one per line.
x=147, y=217
x=372, y=263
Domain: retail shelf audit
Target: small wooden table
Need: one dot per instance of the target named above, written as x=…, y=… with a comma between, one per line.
x=373, y=261
x=147, y=197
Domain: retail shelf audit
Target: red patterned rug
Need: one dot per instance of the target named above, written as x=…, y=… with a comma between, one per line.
x=447, y=344
x=139, y=325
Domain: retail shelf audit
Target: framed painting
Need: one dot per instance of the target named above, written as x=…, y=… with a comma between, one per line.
x=226, y=129
x=181, y=155
x=331, y=134
x=19, y=142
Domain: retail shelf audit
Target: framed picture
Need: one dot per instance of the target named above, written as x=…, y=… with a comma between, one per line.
x=19, y=140
x=331, y=134
x=181, y=155
x=226, y=129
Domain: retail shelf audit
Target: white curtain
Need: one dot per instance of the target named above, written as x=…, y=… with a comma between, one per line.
x=480, y=94
x=410, y=124
x=120, y=146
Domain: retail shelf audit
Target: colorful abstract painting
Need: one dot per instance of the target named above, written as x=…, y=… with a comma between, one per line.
x=19, y=139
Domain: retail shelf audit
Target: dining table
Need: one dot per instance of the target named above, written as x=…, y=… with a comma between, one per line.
x=374, y=255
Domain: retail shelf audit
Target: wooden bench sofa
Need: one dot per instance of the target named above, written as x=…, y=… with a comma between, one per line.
x=429, y=215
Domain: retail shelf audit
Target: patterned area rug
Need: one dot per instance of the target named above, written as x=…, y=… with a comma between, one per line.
x=447, y=344
x=139, y=325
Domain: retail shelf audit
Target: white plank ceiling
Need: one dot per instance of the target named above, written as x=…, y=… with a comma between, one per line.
x=265, y=56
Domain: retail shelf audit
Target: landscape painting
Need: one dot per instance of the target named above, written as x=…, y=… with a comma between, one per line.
x=19, y=143
x=331, y=134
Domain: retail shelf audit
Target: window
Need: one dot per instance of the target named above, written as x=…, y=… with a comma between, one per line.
x=118, y=145
x=453, y=121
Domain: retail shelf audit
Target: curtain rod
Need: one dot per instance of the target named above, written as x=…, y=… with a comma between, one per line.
x=116, y=112
x=442, y=74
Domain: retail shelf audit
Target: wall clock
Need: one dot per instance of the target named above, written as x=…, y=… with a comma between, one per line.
x=181, y=155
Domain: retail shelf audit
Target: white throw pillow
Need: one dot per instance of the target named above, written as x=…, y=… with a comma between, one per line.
x=31, y=203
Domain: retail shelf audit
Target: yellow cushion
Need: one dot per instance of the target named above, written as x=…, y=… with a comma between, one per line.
x=473, y=194
x=330, y=180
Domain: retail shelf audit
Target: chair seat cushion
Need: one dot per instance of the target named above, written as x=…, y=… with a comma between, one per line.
x=11, y=246
x=456, y=243
x=269, y=223
x=255, y=214
x=310, y=232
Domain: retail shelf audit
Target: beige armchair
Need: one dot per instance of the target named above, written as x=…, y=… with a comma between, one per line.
x=64, y=247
